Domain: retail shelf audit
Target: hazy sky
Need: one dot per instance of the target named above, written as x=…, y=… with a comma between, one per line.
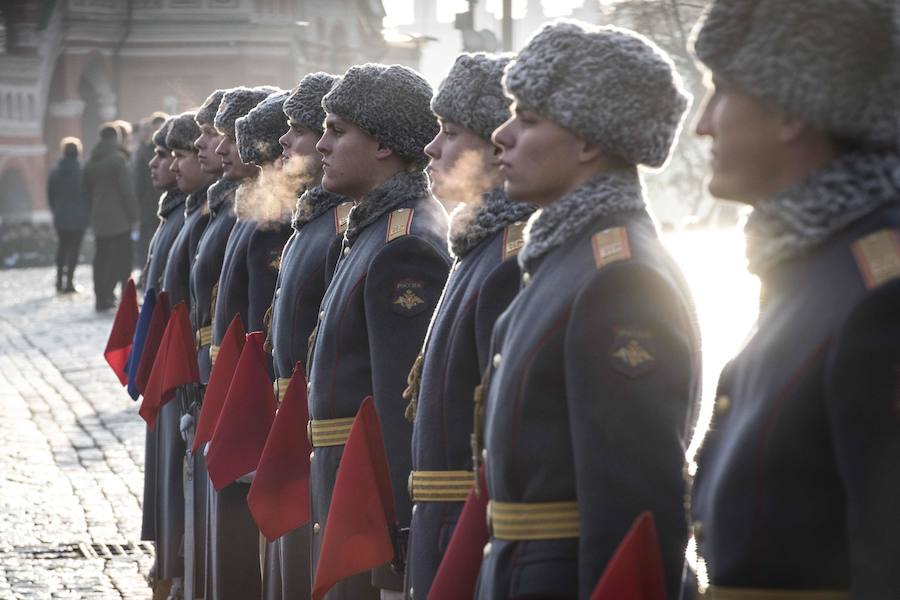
x=399, y=12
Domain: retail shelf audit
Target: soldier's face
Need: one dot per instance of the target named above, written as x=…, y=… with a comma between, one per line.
x=189, y=176
x=537, y=157
x=299, y=144
x=349, y=156
x=232, y=167
x=747, y=144
x=463, y=164
x=163, y=178
x=206, y=146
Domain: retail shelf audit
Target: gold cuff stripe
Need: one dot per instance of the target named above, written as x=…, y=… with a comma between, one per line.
x=722, y=593
x=204, y=336
x=520, y=521
x=329, y=432
x=440, y=486
x=280, y=386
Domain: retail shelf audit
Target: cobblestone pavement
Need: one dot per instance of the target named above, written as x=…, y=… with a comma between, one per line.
x=72, y=444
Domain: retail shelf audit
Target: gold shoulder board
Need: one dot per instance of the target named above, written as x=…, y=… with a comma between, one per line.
x=513, y=239
x=610, y=245
x=399, y=223
x=878, y=257
x=342, y=217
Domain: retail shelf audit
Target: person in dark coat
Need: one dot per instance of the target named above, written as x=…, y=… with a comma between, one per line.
x=106, y=181
x=71, y=212
x=392, y=267
x=145, y=192
x=205, y=265
x=594, y=370
x=796, y=490
x=192, y=182
x=319, y=221
x=245, y=286
x=485, y=237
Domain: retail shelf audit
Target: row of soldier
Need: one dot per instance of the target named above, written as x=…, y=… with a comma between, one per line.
x=553, y=341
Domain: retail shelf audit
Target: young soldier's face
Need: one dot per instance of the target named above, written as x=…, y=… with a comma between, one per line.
x=299, y=143
x=162, y=177
x=463, y=164
x=206, y=146
x=348, y=157
x=232, y=166
x=536, y=157
x=189, y=176
x=745, y=144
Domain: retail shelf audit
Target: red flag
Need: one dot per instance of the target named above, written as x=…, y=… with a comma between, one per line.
x=357, y=533
x=635, y=571
x=246, y=418
x=158, y=322
x=219, y=380
x=458, y=572
x=118, y=346
x=175, y=364
x=279, y=495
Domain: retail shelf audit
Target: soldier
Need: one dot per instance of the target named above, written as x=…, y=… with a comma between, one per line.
x=594, y=366
x=319, y=223
x=389, y=276
x=144, y=190
x=245, y=286
x=485, y=235
x=796, y=491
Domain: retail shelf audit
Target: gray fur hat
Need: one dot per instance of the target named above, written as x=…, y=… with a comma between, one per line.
x=608, y=85
x=472, y=94
x=236, y=103
x=258, y=131
x=183, y=131
x=834, y=64
x=390, y=103
x=304, y=105
x=159, y=136
x=206, y=114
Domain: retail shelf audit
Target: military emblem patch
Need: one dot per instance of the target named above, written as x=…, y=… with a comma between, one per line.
x=632, y=352
x=408, y=298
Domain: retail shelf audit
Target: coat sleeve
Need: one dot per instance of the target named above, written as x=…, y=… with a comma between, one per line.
x=402, y=286
x=863, y=400
x=497, y=291
x=628, y=387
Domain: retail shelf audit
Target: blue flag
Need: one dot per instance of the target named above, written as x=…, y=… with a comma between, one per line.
x=137, y=344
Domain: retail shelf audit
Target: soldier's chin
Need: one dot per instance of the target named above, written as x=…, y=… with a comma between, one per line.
x=331, y=185
x=516, y=193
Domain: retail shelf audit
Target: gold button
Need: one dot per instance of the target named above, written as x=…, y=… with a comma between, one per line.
x=414, y=508
x=321, y=314
x=526, y=277
x=698, y=531
x=484, y=455
x=308, y=387
x=346, y=250
x=316, y=528
x=312, y=455
x=309, y=435
x=411, y=594
x=277, y=291
x=497, y=358
x=487, y=550
x=723, y=403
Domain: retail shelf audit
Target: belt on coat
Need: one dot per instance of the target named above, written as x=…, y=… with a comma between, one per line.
x=521, y=521
x=440, y=486
x=727, y=593
x=328, y=432
x=280, y=387
x=204, y=336
x=213, y=353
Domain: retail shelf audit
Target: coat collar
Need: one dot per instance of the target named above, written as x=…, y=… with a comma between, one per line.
x=470, y=224
x=195, y=200
x=402, y=187
x=221, y=195
x=169, y=201
x=313, y=203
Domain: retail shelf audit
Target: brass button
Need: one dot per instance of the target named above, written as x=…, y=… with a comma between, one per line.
x=526, y=277
x=309, y=435
x=497, y=359
x=277, y=291
x=321, y=314
x=346, y=250
x=316, y=528
x=723, y=403
x=697, y=528
x=411, y=594
x=487, y=550
x=414, y=508
x=312, y=455
x=484, y=455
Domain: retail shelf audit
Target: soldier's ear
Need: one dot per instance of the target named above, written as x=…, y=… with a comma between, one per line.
x=382, y=151
x=588, y=152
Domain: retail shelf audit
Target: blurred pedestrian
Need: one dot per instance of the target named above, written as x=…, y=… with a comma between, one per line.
x=71, y=212
x=108, y=187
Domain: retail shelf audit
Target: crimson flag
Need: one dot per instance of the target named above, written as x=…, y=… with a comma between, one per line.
x=279, y=495
x=118, y=346
x=175, y=364
x=246, y=418
x=158, y=323
x=357, y=533
x=635, y=571
x=458, y=572
x=219, y=381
